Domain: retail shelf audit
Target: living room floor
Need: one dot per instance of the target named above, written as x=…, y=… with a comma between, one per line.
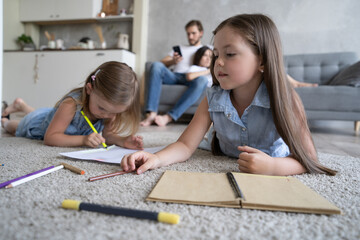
x=333, y=137
x=336, y=137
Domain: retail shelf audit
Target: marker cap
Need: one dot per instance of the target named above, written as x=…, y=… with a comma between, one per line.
x=168, y=218
x=71, y=204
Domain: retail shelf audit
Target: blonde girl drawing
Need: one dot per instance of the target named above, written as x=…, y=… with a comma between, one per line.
x=109, y=98
x=257, y=116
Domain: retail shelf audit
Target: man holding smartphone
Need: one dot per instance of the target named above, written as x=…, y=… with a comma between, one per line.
x=181, y=58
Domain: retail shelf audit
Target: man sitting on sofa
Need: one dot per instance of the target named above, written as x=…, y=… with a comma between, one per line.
x=160, y=74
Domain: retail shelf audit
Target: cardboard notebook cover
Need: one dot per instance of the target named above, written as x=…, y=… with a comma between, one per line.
x=256, y=192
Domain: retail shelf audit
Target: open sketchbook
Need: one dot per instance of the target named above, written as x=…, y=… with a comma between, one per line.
x=240, y=190
x=112, y=154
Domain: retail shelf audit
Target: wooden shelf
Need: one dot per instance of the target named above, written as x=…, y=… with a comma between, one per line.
x=116, y=18
x=90, y=20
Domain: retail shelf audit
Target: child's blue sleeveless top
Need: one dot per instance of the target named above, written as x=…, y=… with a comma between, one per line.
x=35, y=124
x=255, y=128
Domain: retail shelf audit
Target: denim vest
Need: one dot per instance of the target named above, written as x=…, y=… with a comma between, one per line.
x=35, y=124
x=255, y=128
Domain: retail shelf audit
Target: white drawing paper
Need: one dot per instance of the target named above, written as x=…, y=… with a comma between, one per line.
x=113, y=154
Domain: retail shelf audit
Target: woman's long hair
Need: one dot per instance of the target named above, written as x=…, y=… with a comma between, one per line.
x=199, y=54
x=286, y=106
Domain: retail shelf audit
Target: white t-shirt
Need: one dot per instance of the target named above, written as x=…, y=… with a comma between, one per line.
x=188, y=55
x=196, y=68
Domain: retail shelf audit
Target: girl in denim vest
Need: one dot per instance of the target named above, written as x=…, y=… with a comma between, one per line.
x=257, y=116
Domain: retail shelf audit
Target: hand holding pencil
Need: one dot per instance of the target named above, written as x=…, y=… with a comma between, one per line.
x=93, y=139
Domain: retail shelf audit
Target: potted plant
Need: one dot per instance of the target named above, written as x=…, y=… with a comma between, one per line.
x=26, y=42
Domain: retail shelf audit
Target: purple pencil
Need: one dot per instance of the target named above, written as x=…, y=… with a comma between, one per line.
x=16, y=179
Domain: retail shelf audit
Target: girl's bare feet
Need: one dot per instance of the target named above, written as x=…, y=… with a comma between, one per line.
x=3, y=107
x=163, y=120
x=4, y=120
x=17, y=106
x=10, y=126
x=150, y=118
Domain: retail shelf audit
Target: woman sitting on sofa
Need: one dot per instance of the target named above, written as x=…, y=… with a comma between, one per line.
x=201, y=65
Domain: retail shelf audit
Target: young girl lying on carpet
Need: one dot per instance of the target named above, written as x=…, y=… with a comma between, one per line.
x=257, y=116
x=109, y=99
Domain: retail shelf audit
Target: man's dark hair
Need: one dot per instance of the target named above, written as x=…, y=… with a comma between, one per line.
x=195, y=23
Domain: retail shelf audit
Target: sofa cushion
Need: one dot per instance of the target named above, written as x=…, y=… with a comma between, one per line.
x=349, y=76
x=330, y=98
x=318, y=67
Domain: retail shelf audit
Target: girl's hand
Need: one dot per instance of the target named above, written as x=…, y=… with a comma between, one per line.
x=252, y=160
x=143, y=160
x=133, y=142
x=93, y=140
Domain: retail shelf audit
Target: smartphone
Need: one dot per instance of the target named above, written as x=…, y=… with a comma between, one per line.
x=177, y=49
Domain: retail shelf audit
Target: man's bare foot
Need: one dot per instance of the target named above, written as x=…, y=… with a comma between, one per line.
x=163, y=120
x=17, y=106
x=150, y=118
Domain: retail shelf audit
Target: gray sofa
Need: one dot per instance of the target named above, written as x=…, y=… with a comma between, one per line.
x=326, y=102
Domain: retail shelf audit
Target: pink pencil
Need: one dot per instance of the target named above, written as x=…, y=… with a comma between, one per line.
x=107, y=176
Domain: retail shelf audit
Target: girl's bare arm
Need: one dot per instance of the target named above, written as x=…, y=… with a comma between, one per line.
x=191, y=76
x=176, y=152
x=55, y=134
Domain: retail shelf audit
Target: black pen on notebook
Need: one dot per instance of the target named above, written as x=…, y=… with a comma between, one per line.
x=92, y=126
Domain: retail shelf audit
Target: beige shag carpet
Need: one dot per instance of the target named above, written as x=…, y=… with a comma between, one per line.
x=32, y=210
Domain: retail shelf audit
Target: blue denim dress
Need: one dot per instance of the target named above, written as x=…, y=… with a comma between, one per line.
x=35, y=124
x=255, y=128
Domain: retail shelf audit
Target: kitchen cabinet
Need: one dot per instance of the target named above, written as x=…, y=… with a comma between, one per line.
x=40, y=13
x=55, y=10
x=41, y=78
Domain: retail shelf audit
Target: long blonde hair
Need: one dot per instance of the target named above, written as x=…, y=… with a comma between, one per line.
x=286, y=106
x=117, y=83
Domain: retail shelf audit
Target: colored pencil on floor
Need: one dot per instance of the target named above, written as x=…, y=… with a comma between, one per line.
x=73, y=169
x=4, y=184
x=106, y=176
x=29, y=178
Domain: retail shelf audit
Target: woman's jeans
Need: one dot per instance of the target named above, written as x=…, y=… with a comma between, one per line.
x=159, y=74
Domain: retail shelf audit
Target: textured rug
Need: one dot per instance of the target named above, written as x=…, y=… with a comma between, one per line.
x=33, y=210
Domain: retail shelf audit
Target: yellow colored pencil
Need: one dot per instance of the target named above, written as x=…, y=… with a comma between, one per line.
x=92, y=126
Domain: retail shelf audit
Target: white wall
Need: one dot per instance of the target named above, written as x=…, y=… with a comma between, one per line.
x=12, y=25
x=1, y=47
x=306, y=26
